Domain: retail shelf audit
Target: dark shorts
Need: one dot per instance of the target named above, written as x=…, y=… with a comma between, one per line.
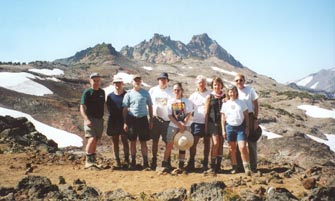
x=96, y=129
x=214, y=129
x=236, y=133
x=115, y=128
x=160, y=128
x=138, y=127
x=198, y=129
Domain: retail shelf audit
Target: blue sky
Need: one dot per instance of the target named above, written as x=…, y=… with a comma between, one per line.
x=283, y=39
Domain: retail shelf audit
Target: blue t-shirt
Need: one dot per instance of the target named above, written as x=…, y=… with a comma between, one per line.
x=137, y=102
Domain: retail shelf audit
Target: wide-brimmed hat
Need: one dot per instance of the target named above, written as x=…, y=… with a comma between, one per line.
x=117, y=79
x=183, y=141
x=253, y=137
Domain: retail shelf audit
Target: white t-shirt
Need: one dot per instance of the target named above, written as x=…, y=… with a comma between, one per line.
x=248, y=94
x=159, y=99
x=198, y=99
x=179, y=109
x=233, y=111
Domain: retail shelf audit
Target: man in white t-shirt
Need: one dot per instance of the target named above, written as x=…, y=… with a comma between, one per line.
x=198, y=99
x=249, y=95
x=160, y=95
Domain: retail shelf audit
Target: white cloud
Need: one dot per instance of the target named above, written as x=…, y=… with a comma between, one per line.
x=61, y=137
x=23, y=83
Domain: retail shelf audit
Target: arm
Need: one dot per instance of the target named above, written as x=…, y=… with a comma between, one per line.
x=124, y=114
x=206, y=112
x=246, y=119
x=87, y=122
x=255, y=104
x=223, y=125
x=151, y=124
x=180, y=125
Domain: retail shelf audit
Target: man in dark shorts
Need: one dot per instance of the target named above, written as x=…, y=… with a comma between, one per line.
x=115, y=120
x=160, y=95
x=92, y=110
x=135, y=118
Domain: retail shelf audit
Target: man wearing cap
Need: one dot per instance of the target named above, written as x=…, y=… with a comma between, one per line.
x=115, y=120
x=160, y=95
x=137, y=105
x=249, y=95
x=92, y=110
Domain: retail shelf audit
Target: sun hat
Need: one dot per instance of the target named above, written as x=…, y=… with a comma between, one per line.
x=117, y=79
x=183, y=141
x=94, y=75
x=163, y=75
x=136, y=76
x=253, y=137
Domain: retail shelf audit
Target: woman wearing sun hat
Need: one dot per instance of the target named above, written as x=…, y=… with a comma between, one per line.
x=179, y=111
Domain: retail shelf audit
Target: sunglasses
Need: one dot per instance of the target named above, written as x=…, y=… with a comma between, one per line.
x=239, y=80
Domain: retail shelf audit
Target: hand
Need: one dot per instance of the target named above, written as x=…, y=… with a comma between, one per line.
x=125, y=127
x=88, y=122
x=151, y=123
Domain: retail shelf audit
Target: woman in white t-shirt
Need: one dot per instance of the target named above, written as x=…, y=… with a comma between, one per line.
x=179, y=110
x=235, y=123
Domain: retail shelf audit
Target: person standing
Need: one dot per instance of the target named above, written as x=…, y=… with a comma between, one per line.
x=249, y=95
x=137, y=105
x=92, y=110
x=115, y=120
x=179, y=110
x=198, y=99
x=235, y=127
x=213, y=123
x=160, y=95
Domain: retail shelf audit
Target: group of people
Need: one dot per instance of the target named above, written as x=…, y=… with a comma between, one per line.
x=164, y=112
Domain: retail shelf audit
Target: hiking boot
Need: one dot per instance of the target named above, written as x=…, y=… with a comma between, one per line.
x=210, y=171
x=118, y=162
x=90, y=161
x=177, y=171
x=190, y=166
x=153, y=164
x=247, y=170
x=133, y=165
x=234, y=169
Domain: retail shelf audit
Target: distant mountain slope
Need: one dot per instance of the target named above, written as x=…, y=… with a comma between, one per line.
x=320, y=82
x=161, y=49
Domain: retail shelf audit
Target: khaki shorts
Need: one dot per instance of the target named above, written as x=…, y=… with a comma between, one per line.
x=96, y=129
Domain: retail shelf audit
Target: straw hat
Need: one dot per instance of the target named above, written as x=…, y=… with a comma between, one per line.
x=183, y=141
x=253, y=137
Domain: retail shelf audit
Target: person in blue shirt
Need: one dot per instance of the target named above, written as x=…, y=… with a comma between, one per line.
x=137, y=105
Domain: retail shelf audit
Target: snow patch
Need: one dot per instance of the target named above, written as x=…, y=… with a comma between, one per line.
x=23, y=83
x=147, y=68
x=314, y=85
x=61, y=137
x=317, y=112
x=305, y=81
x=224, y=71
x=48, y=72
